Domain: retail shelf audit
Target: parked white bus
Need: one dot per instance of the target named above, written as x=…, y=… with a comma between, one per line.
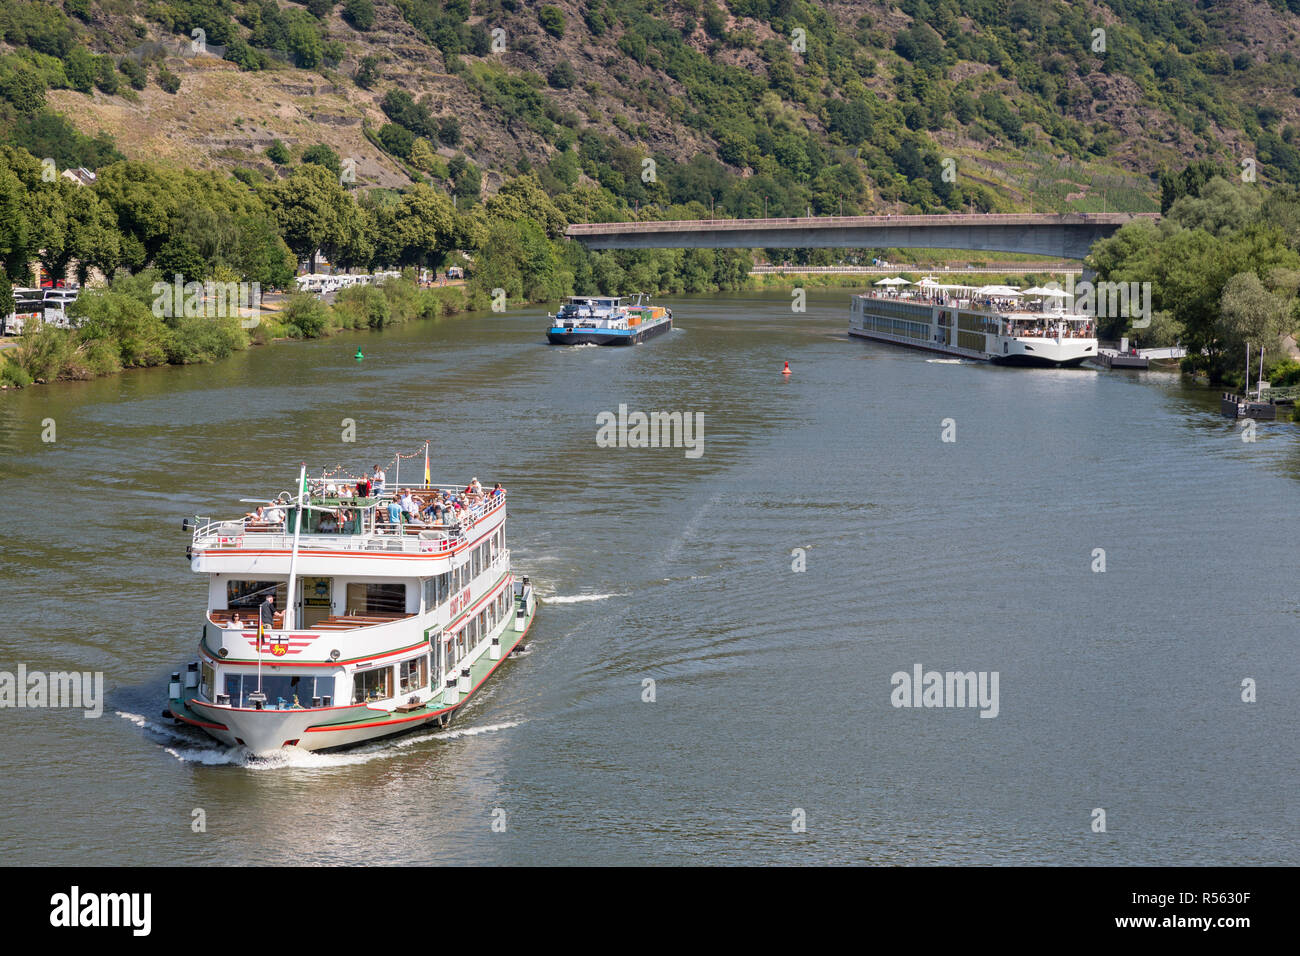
x=29, y=306
x=319, y=284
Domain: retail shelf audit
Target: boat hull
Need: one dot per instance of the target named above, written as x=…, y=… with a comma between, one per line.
x=560, y=335
x=1054, y=358
x=1031, y=361
x=265, y=732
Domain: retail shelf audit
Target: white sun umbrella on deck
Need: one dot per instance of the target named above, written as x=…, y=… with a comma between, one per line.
x=893, y=280
x=1044, y=293
x=999, y=290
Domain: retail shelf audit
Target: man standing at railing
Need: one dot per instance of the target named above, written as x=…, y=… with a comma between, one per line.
x=377, y=480
x=267, y=612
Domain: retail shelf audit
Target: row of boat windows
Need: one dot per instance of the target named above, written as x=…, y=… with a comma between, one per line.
x=476, y=628
x=899, y=310
x=438, y=589
x=970, y=322
x=377, y=684
x=363, y=597
x=911, y=330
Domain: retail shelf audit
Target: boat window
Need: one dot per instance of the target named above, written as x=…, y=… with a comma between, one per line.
x=436, y=590
x=476, y=563
x=372, y=685
x=412, y=674
x=250, y=594
x=366, y=598
x=283, y=691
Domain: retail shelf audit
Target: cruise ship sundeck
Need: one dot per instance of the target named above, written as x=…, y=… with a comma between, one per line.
x=343, y=612
x=986, y=323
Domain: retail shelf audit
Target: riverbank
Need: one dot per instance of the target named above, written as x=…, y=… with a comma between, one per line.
x=119, y=328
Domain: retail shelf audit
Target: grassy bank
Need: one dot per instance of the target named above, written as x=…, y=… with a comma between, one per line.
x=119, y=328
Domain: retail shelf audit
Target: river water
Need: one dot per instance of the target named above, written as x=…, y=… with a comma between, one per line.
x=1118, y=691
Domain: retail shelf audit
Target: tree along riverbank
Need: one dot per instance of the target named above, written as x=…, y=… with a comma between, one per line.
x=119, y=327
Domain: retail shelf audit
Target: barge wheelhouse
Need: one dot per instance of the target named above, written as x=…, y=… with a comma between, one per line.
x=378, y=621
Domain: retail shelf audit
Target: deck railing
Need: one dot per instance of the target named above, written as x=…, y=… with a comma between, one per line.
x=214, y=534
x=978, y=305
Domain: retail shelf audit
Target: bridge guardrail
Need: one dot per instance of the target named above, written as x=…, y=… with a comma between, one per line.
x=988, y=219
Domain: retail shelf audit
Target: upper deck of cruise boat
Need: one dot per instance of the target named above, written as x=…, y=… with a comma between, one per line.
x=414, y=519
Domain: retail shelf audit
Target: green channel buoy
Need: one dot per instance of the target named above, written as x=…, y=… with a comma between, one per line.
x=359, y=355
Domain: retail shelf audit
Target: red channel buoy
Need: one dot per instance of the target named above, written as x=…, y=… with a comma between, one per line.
x=786, y=370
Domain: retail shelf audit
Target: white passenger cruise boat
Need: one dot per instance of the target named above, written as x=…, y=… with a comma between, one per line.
x=391, y=623
x=986, y=324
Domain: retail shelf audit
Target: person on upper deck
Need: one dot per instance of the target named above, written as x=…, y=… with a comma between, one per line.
x=363, y=488
x=257, y=515
x=274, y=515
x=377, y=479
x=267, y=611
x=432, y=509
x=497, y=490
x=394, y=513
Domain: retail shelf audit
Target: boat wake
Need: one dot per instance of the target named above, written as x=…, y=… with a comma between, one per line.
x=948, y=362
x=159, y=732
x=472, y=731
x=577, y=598
x=184, y=748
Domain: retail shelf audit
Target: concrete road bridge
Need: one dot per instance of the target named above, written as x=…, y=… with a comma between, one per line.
x=1063, y=236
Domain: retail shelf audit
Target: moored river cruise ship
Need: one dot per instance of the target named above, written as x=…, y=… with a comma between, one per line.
x=984, y=324
x=348, y=611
